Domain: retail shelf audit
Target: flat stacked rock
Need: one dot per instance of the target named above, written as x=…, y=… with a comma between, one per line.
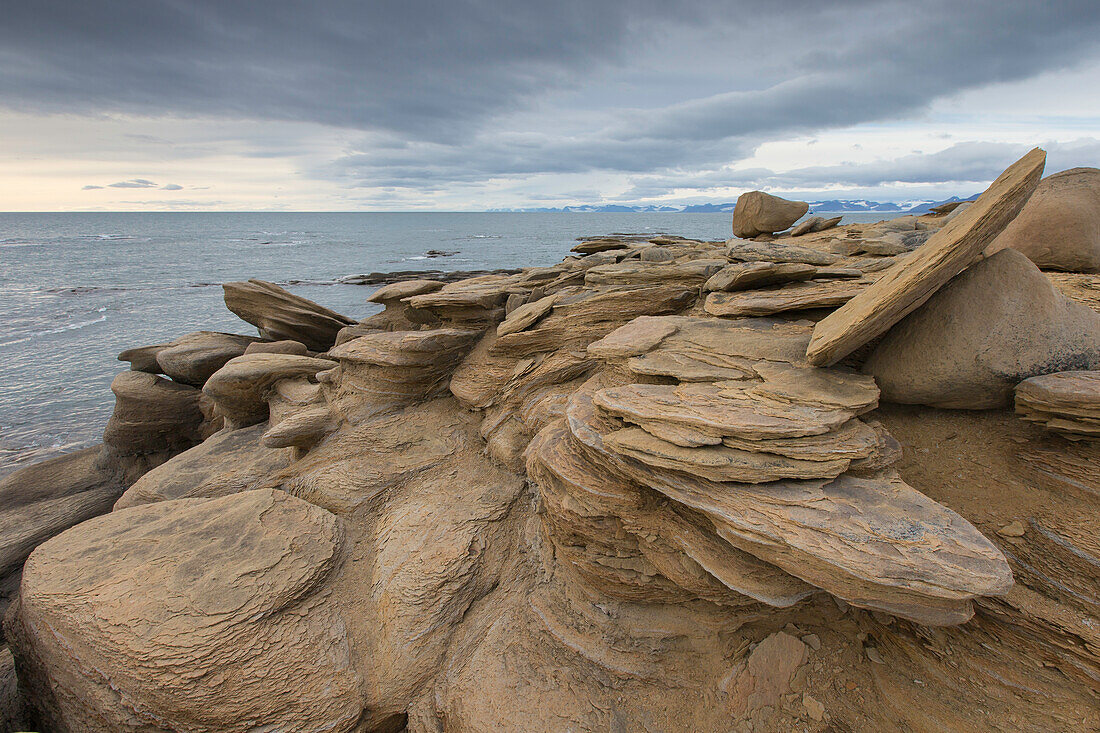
x=690, y=272
x=1067, y=403
x=924, y=563
x=947, y=253
x=750, y=275
x=815, y=224
x=240, y=389
x=281, y=315
x=472, y=303
x=779, y=252
x=791, y=297
x=386, y=369
x=704, y=349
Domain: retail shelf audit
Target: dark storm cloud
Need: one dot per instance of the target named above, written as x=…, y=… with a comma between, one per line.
x=430, y=84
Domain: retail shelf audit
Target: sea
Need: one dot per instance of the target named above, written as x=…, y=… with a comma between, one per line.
x=78, y=288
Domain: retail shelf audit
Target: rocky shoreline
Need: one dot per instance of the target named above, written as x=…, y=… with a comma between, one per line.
x=818, y=478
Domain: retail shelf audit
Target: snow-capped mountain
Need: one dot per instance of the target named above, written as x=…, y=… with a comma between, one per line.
x=816, y=207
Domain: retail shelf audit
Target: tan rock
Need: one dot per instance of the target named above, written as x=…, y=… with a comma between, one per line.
x=995, y=325
x=766, y=676
x=779, y=253
x=1064, y=402
x=726, y=408
x=1059, y=227
x=691, y=272
x=240, y=388
x=280, y=315
x=947, y=253
x=404, y=289
x=761, y=213
x=228, y=462
x=794, y=296
x=591, y=246
x=153, y=415
x=719, y=462
x=278, y=347
x=44, y=499
x=704, y=349
x=526, y=315
x=191, y=359
x=749, y=275
x=230, y=630
x=143, y=358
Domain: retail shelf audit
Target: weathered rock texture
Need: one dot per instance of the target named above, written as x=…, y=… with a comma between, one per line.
x=570, y=498
x=178, y=607
x=1059, y=228
x=993, y=326
x=280, y=315
x=761, y=213
x=945, y=255
x=1066, y=402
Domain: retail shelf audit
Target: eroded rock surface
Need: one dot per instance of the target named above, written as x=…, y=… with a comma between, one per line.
x=761, y=213
x=281, y=315
x=197, y=614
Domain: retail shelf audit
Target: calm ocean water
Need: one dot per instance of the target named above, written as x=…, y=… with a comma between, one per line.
x=76, y=289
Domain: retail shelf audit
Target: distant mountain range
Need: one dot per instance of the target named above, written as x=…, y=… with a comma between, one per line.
x=829, y=206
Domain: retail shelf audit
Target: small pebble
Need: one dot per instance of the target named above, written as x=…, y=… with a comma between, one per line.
x=813, y=708
x=812, y=641
x=1013, y=529
x=874, y=656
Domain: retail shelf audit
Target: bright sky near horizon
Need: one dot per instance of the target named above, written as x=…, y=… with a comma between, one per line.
x=480, y=104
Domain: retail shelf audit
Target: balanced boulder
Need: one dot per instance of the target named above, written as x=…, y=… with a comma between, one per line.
x=281, y=315
x=991, y=327
x=947, y=253
x=1059, y=228
x=761, y=213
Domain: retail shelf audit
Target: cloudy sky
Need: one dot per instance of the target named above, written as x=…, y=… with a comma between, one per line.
x=478, y=104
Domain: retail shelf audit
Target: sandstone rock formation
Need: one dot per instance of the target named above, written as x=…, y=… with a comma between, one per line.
x=761, y=213
x=945, y=255
x=1065, y=402
x=815, y=224
x=570, y=497
x=194, y=357
x=280, y=315
x=993, y=326
x=1059, y=228
x=231, y=589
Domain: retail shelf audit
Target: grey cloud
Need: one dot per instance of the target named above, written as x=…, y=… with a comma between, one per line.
x=171, y=187
x=133, y=183
x=965, y=163
x=456, y=92
x=90, y=187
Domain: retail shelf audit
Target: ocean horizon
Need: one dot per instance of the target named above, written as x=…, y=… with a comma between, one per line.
x=77, y=288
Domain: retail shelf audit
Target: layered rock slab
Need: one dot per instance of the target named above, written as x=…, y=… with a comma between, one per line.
x=875, y=542
x=993, y=326
x=280, y=315
x=1065, y=402
x=693, y=349
x=948, y=252
x=791, y=297
x=194, y=614
x=240, y=388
